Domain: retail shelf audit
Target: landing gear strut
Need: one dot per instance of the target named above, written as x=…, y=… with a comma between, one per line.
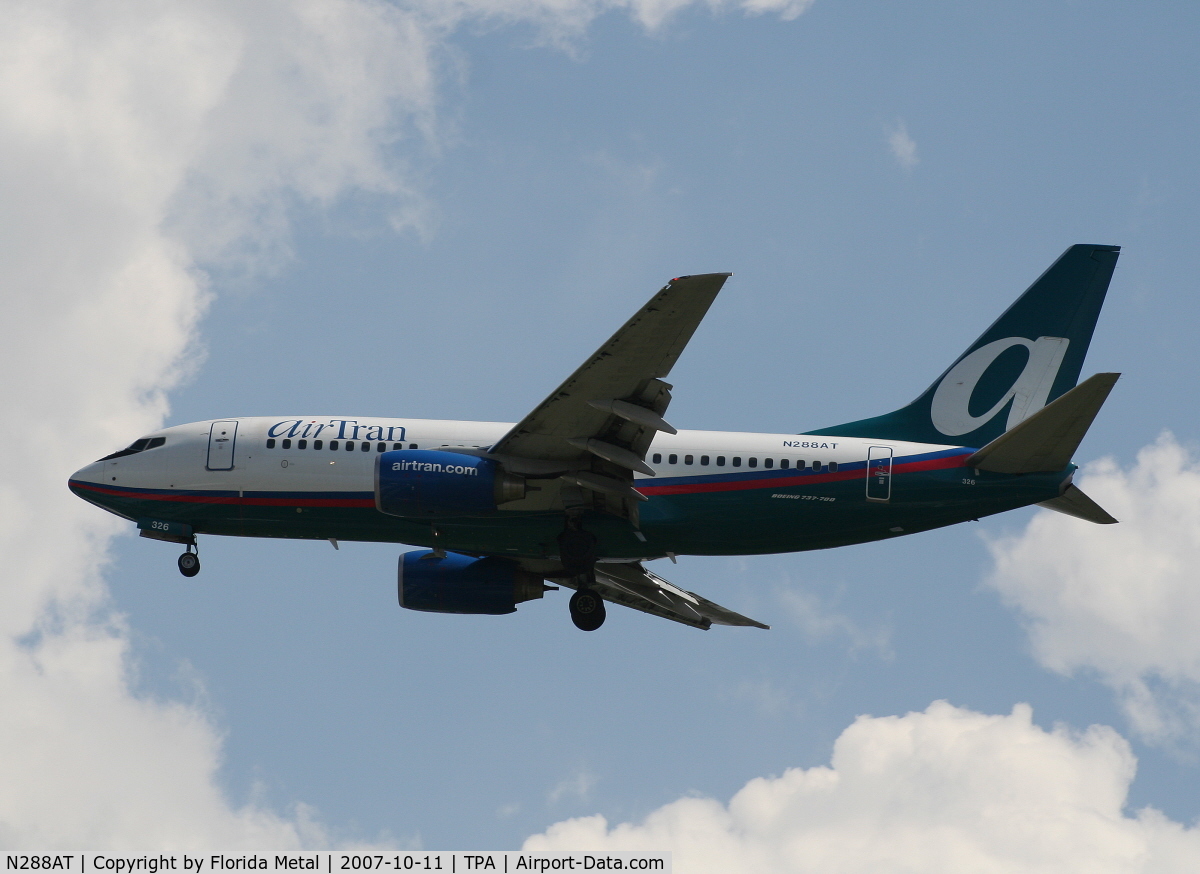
x=577, y=548
x=577, y=552
x=587, y=609
x=189, y=563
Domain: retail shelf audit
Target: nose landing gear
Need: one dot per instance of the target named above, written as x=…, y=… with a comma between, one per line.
x=189, y=563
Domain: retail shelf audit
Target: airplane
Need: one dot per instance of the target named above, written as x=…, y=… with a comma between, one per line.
x=594, y=483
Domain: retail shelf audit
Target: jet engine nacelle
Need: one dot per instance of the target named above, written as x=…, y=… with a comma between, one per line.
x=429, y=482
x=456, y=583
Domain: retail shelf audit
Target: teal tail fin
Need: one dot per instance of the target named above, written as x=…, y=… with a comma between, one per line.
x=1028, y=358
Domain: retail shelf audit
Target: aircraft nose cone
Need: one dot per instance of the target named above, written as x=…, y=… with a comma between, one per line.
x=90, y=473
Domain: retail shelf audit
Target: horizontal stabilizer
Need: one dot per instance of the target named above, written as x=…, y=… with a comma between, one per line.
x=1074, y=502
x=1047, y=439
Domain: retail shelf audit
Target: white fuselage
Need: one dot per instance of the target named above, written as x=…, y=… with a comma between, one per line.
x=295, y=464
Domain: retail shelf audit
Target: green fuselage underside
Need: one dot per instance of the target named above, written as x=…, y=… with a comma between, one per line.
x=736, y=522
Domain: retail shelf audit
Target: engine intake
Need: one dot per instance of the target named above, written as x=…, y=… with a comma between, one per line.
x=424, y=483
x=456, y=583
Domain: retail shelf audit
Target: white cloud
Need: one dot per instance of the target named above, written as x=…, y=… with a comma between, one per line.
x=946, y=790
x=124, y=131
x=820, y=622
x=360, y=79
x=904, y=148
x=1121, y=600
x=577, y=785
x=563, y=19
x=767, y=697
x=138, y=140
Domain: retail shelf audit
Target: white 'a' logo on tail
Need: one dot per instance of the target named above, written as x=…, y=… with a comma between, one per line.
x=950, y=408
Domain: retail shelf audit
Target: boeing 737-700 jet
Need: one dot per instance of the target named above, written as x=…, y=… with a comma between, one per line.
x=594, y=482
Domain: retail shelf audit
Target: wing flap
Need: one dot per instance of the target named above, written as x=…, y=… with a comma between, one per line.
x=633, y=586
x=598, y=425
x=624, y=370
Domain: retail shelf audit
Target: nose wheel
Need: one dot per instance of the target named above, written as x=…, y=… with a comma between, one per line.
x=189, y=563
x=587, y=610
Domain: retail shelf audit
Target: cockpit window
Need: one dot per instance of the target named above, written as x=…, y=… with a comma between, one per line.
x=136, y=446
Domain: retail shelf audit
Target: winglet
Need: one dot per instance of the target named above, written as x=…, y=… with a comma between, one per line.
x=1047, y=439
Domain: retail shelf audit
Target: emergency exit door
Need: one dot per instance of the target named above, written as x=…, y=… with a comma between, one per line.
x=879, y=473
x=221, y=439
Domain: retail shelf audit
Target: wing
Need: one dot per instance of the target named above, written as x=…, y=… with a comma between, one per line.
x=594, y=429
x=634, y=586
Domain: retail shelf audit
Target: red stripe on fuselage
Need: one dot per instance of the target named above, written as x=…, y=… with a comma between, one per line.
x=229, y=499
x=698, y=486
x=795, y=481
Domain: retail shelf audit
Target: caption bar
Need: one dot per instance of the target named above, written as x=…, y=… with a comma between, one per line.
x=335, y=863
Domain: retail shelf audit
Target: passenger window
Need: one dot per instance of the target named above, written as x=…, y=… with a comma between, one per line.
x=703, y=460
x=396, y=446
x=333, y=444
x=737, y=461
x=271, y=443
x=672, y=459
x=658, y=458
x=833, y=467
x=317, y=444
x=301, y=444
x=800, y=464
x=287, y=444
x=382, y=447
x=412, y=445
x=768, y=462
x=687, y=459
x=816, y=466
x=784, y=462
x=720, y=461
x=350, y=446
x=753, y=462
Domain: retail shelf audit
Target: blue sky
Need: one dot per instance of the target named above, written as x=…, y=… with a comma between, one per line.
x=452, y=241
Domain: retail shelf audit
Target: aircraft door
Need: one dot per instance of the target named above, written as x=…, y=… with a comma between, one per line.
x=879, y=473
x=221, y=439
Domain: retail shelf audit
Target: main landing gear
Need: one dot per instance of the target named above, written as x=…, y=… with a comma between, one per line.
x=577, y=552
x=189, y=562
x=587, y=609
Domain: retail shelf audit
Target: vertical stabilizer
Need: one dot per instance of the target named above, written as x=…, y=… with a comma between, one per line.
x=1029, y=357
